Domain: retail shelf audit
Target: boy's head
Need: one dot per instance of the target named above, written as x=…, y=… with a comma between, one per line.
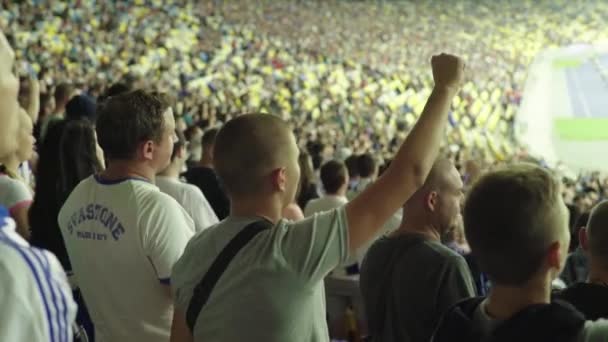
x=257, y=155
x=137, y=126
x=334, y=177
x=517, y=224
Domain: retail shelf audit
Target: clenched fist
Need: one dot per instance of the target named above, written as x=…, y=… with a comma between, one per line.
x=448, y=71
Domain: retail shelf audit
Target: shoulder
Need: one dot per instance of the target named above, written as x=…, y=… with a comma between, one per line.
x=14, y=186
x=594, y=331
x=149, y=195
x=441, y=251
x=191, y=191
x=81, y=188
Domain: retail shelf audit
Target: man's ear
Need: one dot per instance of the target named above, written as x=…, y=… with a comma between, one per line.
x=431, y=200
x=554, y=255
x=583, y=239
x=279, y=179
x=146, y=150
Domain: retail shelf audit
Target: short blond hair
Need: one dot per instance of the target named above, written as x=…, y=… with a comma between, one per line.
x=247, y=148
x=510, y=221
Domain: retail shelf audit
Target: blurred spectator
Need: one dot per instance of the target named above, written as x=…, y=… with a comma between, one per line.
x=398, y=307
x=203, y=176
x=63, y=94
x=188, y=195
x=334, y=177
x=307, y=190
x=81, y=107
x=577, y=265
x=590, y=294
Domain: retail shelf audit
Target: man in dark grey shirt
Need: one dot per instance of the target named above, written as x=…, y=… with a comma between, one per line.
x=409, y=278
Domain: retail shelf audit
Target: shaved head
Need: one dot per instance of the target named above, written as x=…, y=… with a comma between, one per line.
x=442, y=174
x=248, y=148
x=597, y=231
x=438, y=200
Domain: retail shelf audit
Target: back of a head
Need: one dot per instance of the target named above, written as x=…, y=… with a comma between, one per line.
x=511, y=216
x=367, y=165
x=597, y=231
x=352, y=165
x=247, y=148
x=80, y=107
x=63, y=92
x=77, y=155
x=126, y=120
x=209, y=137
x=333, y=176
x=115, y=89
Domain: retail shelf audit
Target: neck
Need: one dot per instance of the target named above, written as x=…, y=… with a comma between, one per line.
x=206, y=161
x=119, y=169
x=263, y=206
x=505, y=301
x=598, y=273
x=172, y=171
x=418, y=226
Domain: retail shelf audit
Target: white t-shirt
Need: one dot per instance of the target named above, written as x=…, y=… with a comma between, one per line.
x=36, y=301
x=324, y=203
x=191, y=198
x=123, y=238
x=272, y=290
x=14, y=194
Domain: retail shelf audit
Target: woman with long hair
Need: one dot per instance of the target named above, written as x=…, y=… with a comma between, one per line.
x=69, y=154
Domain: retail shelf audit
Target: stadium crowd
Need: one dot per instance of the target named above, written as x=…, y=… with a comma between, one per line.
x=172, y=170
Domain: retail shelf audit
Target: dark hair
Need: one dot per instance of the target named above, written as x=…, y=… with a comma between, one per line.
x=126, y=120
x=63, y=92
x=352, y=165
x=209, y=137
x=80, y=107
x=333, y=176
x=67, y=156
x=77, y=155
x=367, y=165
x=115, y=89
x=48, y=199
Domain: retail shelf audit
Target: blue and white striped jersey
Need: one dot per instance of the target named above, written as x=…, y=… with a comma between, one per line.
x=36, y=301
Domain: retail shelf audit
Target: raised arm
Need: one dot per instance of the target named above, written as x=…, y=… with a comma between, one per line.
x=373, y=207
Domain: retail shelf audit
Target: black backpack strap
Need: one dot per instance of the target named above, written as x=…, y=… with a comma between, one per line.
x=203, y=289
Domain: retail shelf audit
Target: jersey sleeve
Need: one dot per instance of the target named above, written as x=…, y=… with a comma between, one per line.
x=166, y=229
x=314, y=246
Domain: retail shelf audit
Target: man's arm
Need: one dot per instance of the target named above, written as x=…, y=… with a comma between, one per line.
x=373, y=207
x=179, y=329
